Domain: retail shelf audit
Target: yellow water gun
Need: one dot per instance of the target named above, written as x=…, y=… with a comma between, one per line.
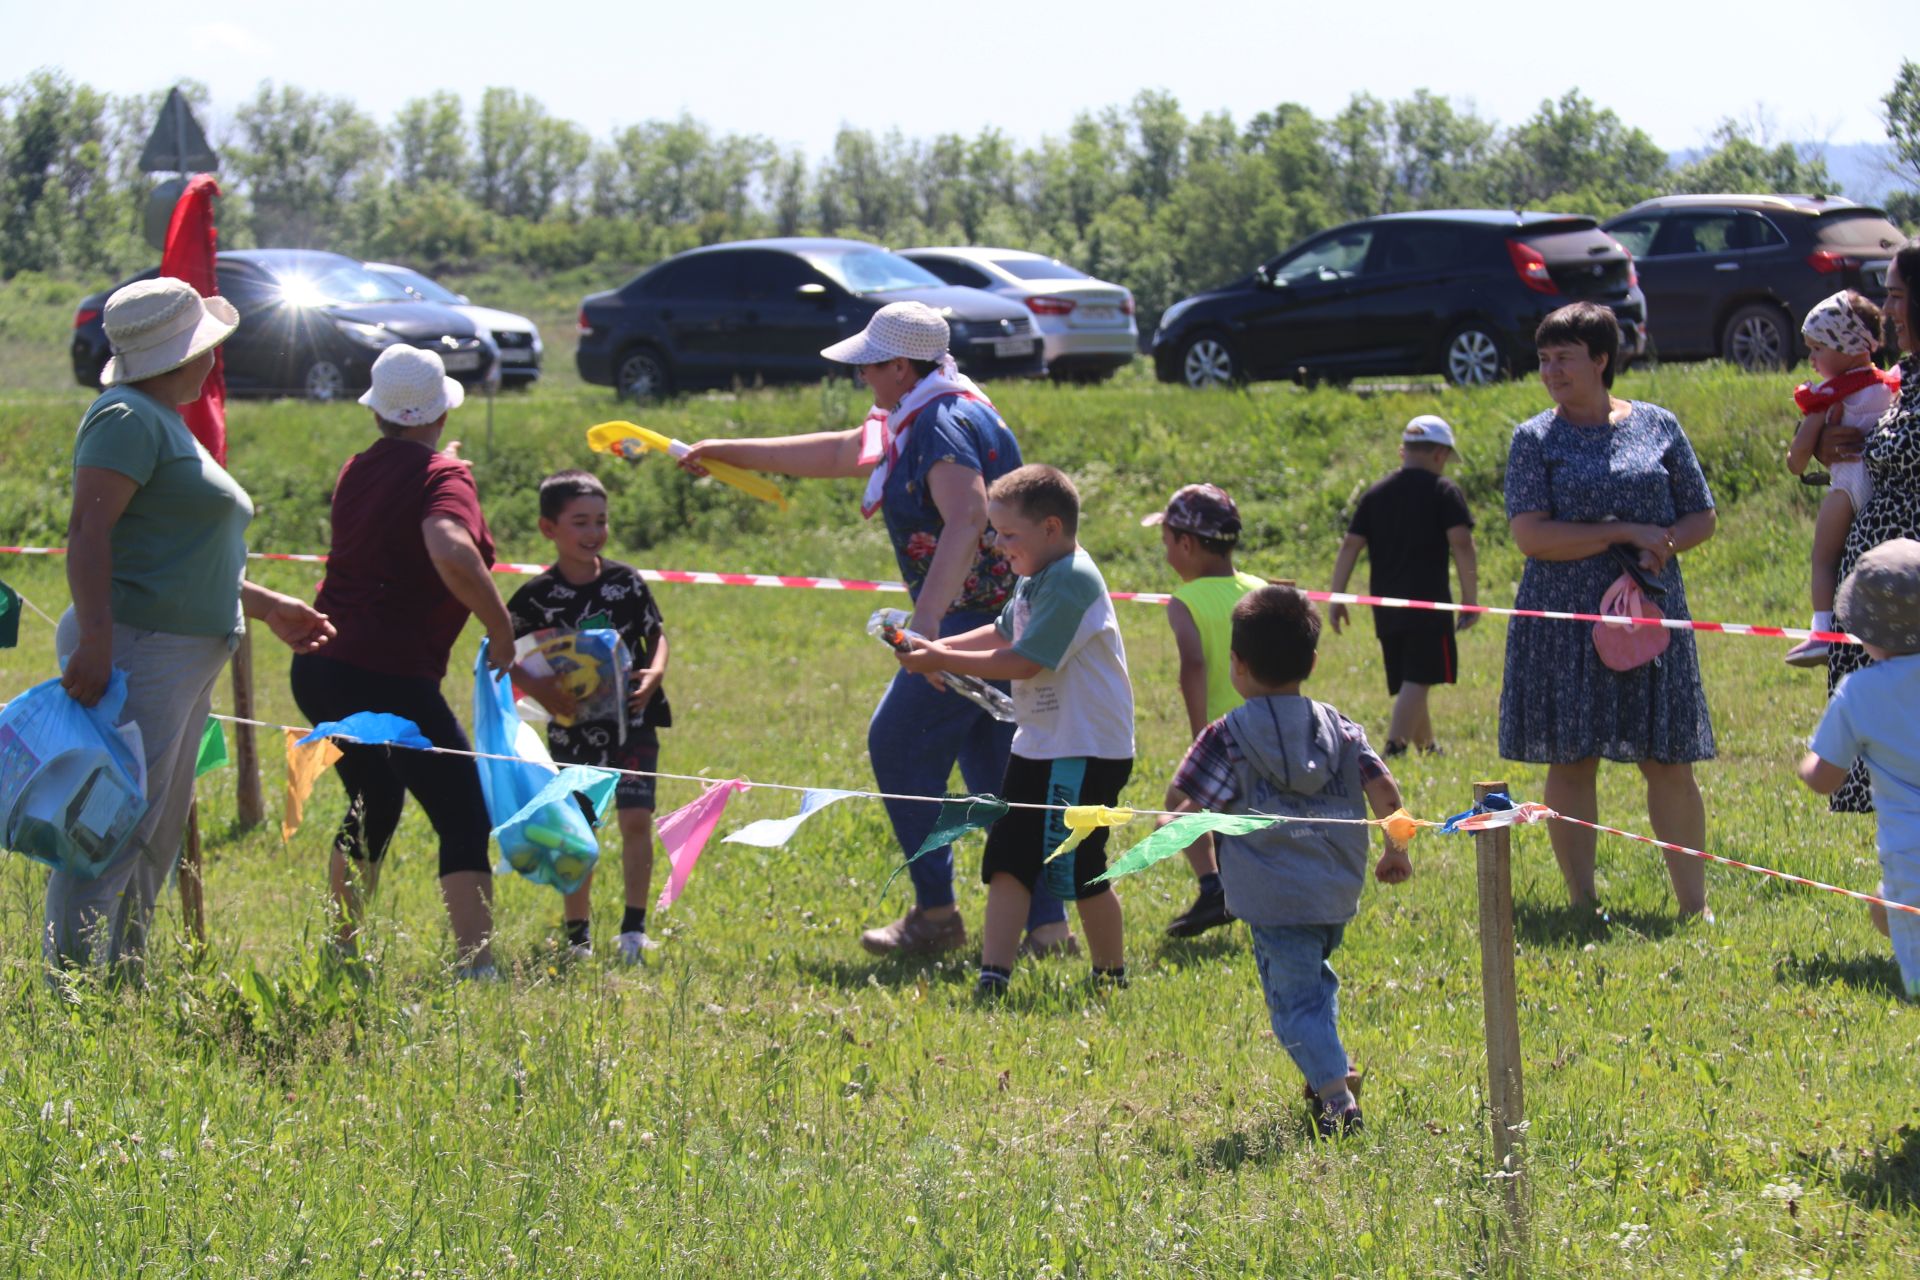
x=629, y=441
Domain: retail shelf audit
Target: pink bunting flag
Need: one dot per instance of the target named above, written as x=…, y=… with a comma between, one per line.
x=685, y=831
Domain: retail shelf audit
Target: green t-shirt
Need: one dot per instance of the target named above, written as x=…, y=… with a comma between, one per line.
x=1211, y=601
x=179, y=549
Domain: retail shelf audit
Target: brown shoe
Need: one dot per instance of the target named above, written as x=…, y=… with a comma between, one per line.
x=1355, y=1078
x=1031, y=950
x=914, y=934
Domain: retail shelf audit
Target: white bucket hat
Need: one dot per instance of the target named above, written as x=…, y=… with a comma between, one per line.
x=157, y=326
x=411, y=387
x=911, y=329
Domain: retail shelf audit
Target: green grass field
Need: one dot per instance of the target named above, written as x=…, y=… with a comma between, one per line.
x=765, y=1100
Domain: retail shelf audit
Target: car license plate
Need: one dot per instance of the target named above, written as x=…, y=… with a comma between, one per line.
x=1008, y=347
x=515, y=355
x=1101, y=315
x=461, y=361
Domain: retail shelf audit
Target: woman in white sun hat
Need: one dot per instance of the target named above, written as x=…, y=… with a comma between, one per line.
x=928, y=450
x=156, y=558
x=410, y=559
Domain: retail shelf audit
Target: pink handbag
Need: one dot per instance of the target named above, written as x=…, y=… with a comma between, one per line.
x=1623, y=645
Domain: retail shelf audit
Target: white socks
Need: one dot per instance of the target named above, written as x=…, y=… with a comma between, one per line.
x=1822, y=620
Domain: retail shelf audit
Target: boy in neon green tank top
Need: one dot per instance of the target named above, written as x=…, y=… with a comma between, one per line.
x=1199, y=530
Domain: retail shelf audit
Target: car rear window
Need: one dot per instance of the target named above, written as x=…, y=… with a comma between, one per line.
x=1865, y=232
x=1038, y=269
x=1570, y=241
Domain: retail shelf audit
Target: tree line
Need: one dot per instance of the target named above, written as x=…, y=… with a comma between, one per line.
x=1144, y=194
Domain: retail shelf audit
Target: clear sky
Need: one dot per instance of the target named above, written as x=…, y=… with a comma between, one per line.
x=795, y=72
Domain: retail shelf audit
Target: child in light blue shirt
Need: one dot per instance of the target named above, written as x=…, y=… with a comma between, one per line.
x=1874, y=716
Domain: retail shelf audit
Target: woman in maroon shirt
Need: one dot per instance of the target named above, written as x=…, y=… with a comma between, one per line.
x=410, y=559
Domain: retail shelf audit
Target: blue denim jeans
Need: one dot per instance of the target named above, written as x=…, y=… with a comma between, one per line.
x=917, y=735
x=1302, y=993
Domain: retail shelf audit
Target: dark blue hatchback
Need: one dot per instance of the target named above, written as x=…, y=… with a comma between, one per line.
x=759, y=311
x=1456, y=292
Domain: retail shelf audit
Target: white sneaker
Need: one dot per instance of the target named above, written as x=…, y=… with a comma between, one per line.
x=482, y=973
x=579, y=951
x=634, y=947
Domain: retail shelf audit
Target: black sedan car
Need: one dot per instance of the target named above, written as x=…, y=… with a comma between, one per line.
x=1734, y=275
x=759, y=311
x=311, y=324
x=1458, y=292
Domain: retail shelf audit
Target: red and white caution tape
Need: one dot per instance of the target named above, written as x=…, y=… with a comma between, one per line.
x=709, y=579
x=1735, y=862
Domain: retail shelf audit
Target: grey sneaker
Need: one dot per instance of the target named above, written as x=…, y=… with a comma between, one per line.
x=1808, y=653
x=477, y=973
x=914, y=934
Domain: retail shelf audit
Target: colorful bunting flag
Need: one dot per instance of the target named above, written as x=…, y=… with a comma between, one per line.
x=685, y=831
x=371, y=729
x=1177, y=835
x=306, y=761
x=213, y=749
x=9, y=616
x=958, y=815
x=771, y=833
x=1083, y=820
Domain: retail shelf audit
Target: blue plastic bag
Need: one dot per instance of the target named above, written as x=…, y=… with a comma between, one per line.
x=545, y=838
x=73, y=784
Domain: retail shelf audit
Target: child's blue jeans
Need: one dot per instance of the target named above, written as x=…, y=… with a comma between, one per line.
x=1303, y=995
x=917, y=735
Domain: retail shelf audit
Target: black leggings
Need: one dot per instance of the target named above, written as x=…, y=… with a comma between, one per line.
x=377, y=779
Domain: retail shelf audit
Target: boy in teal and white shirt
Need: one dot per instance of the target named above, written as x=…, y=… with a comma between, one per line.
x=1058, y=641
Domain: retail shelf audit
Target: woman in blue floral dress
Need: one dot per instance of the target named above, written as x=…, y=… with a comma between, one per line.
x=1591, y=473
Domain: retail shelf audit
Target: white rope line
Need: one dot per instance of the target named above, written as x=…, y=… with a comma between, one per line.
x=777, y=786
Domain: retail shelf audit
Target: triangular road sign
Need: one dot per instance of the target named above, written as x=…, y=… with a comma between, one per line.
x=177, y=144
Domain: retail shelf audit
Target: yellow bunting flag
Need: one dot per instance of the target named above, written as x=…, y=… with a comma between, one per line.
x=1401, y=827
x=305, y=764
x=1083, y=820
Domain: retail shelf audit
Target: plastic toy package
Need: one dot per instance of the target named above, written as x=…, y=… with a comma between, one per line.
x=592, y=665
x=890, y=627
x=73, y=784
x=542, y=830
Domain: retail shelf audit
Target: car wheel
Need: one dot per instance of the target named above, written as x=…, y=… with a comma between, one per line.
x=642, y=375
x=1756, y=337
x=1207, y=361
x=1472, y=357
x=323, y=380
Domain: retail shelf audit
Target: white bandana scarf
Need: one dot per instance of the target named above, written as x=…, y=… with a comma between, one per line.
x=880, y=440
x=1832, y=323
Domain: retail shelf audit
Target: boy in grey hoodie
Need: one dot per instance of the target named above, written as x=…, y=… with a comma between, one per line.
x=1296, y=883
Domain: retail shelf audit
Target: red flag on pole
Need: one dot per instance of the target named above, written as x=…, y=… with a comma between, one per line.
x=189, y=256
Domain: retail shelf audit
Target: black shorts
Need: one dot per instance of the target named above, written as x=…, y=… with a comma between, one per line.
x=1019, y=843
x=1420, y=649
x=640, y=751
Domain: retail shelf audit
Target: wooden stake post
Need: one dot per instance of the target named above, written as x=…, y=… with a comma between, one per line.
x=249, y=806
x=1506, y=1100
x=193, y=902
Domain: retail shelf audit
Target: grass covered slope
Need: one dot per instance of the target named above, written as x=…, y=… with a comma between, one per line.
x=765, y=1099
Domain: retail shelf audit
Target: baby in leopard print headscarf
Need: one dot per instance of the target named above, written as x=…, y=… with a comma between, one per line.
x=1841, y=334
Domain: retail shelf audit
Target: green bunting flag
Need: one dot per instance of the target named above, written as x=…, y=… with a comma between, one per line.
x=1177, y=835
x=213, y=749
x=9, y=616
x=958, y=815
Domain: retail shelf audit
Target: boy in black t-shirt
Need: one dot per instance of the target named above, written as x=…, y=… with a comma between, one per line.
x=583, y=591
x=1407, y=524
